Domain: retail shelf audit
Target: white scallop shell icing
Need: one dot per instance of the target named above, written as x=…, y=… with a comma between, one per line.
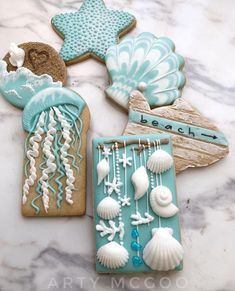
x=161, y=202
x=112, y=255
x=163, y=252
x=108, y=208
x=160, y=161
x=103, y=170
x=146, y=63
x=140, y=182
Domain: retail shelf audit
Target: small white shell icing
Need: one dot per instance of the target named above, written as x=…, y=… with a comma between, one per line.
x=17, y=55
x=140, y=182
x=163, y=252
x=108, y=208
x=161, y=202
x=112, y=255
x=103, y=170
x=160, y=161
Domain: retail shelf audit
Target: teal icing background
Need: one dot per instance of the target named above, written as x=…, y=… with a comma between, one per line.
x=168, y=179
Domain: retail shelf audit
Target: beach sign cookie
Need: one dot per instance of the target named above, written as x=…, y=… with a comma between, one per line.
x=39, y=58
x=135, y=204
x=197, y=142
x=90, y=31
x=148, y=64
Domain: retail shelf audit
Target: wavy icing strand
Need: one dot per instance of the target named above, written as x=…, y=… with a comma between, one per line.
x=50, y=162
x=33, y=153
x=66, y=127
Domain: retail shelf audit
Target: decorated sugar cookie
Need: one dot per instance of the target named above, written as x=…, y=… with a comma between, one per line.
x=56, y=121
x=196, y=141
x=39, y=58
x=146, y=63
x=19, y=86
x=90, y=31
x=136, y=213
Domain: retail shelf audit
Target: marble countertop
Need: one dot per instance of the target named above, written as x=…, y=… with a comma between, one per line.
x=58, y=253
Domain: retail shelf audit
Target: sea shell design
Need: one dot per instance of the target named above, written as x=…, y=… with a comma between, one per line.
x=161, y=202
x=163, y=252
x=108, y=208
x=103, y=170
x=17, y=55
x=140, y=182
x=146, y=63
x=112, y=255
x=160, y=161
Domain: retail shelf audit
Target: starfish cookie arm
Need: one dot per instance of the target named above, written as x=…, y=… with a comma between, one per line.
x=121, y=20
x=60, y=22
x=68, y=54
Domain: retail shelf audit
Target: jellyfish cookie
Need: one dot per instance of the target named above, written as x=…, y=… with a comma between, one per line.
x=56, y=121
x=90, y=31
x=39, y=58
x=197, y=142
x=146, y=63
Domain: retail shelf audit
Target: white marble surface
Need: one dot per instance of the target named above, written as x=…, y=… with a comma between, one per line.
x=58, y=254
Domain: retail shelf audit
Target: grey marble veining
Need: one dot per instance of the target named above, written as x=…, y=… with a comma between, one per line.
x=58, y=254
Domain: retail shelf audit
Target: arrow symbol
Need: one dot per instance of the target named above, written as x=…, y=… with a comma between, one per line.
x=211, y=136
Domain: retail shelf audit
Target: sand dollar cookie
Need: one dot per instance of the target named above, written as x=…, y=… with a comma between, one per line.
x=39, y=58
x=90, y=31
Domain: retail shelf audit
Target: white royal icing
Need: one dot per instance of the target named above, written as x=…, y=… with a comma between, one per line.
x=64, y=153
x=32, y=154
x=17, y=55
x=48, y=152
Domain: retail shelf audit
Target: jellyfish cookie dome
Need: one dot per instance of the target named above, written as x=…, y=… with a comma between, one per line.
x=148, y=64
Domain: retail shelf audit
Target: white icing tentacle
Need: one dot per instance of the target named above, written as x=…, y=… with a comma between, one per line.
x=51, y=165
x=64, y=153
x=17, y=55
x=32, y=154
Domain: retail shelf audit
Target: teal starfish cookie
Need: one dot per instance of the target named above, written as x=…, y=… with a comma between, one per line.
x=90, y=31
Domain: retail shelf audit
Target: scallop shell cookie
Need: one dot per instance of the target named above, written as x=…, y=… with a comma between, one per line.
x=146, y=63
x=39, y=58
x=90, y=31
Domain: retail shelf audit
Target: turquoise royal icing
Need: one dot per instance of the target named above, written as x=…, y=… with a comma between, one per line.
x=146, y=63
x=51, y=97
x=18, y=87
x=144, y=232
x=91, y=30
x=181, y=128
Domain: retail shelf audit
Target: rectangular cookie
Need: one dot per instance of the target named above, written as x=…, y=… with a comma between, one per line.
x=135, y=204
x=54, y=180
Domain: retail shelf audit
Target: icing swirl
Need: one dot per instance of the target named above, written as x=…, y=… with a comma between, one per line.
x=64, y=154
x=32, y=154
x=51, y=165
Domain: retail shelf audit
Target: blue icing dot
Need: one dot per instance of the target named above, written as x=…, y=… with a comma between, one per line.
x=136, y=246
x=137, y=261
x=135, y=233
